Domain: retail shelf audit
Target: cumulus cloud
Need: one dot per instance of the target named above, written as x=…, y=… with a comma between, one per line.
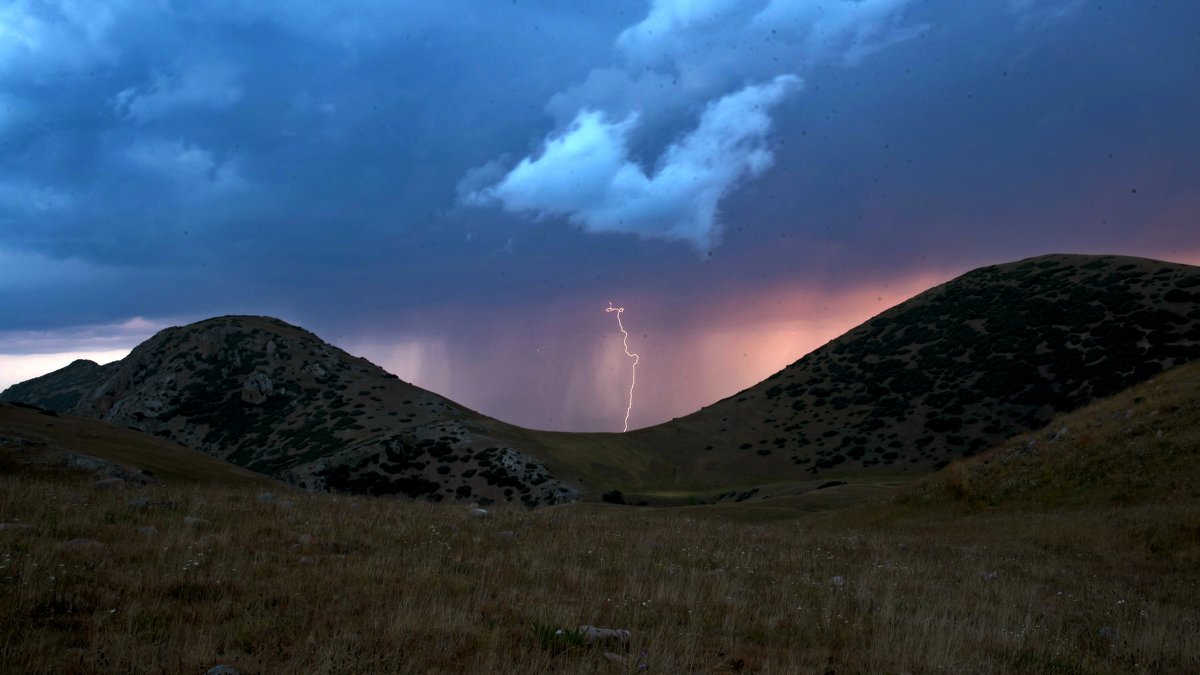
x=684, y=56
x=586, y=173
x=212, y=86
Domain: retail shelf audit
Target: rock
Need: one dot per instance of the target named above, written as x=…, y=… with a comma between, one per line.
x=109, y=483
x=85, y=462
x=1060, y=433
x=989, y=576
x=80, y=545
x=614, y=658
x=592, y=634
x=194, y=522
x=222, y=670
x=1109, y=633
x=257, y=389
x=838, y=581
x=307, y=561
x=478, y=513
x=15, y=526
x=148, y=531
x=139, y=503
x=266, y=497
x=507, y=534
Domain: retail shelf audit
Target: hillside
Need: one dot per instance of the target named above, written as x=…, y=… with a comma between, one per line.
x=276, y=399
x=1136, y=448
x=41, y=441
x=61, y=390
x=178, y=578
x=992, y=354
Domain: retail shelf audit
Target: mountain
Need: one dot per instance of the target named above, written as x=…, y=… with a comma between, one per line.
x=278, y=400
x=992, y=354
x=60, y=390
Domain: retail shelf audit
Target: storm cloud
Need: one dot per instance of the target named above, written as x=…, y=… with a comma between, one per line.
x=459, y=188
x=682, y=55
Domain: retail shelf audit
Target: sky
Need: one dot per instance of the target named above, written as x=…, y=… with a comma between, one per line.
x=457, y=190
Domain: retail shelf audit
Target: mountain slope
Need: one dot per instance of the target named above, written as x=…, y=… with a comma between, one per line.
x=34, y=439
x=1135, y=448
x=276, y=399
x=60, y=390
x=994, y=353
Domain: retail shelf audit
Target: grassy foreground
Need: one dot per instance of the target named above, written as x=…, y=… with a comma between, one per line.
x=320, y=583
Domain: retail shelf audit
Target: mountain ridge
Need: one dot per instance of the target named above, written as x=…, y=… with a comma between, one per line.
x=993, y=353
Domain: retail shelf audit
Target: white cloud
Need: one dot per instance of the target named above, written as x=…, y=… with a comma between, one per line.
x=586, y=173
x=212, y=86
x=188, y=166
x=682, y=56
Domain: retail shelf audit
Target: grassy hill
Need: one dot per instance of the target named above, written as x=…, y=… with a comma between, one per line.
x=1075, y=555
x=276, y=399
x=39, y=441
x=992, y=354
x=1072, y=548
x=1139, y=447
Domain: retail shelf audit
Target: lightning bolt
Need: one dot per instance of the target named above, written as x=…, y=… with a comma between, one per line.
x=625, y=338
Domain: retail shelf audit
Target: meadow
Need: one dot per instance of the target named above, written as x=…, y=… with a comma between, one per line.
x=324, y=583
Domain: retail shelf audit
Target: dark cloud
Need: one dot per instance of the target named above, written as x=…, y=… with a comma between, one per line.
x=175, y=160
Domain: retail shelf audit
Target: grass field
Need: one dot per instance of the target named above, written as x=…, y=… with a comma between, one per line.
x=1072, y=550
x=319, y=583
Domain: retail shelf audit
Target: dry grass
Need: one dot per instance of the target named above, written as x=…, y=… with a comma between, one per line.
x=1141, y=446
x=337, y=584
x=27, y=436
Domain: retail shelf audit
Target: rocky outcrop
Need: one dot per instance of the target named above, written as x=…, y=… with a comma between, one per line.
x=257, y=389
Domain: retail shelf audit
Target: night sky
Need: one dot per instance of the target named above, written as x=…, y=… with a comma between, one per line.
x=456, y=190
